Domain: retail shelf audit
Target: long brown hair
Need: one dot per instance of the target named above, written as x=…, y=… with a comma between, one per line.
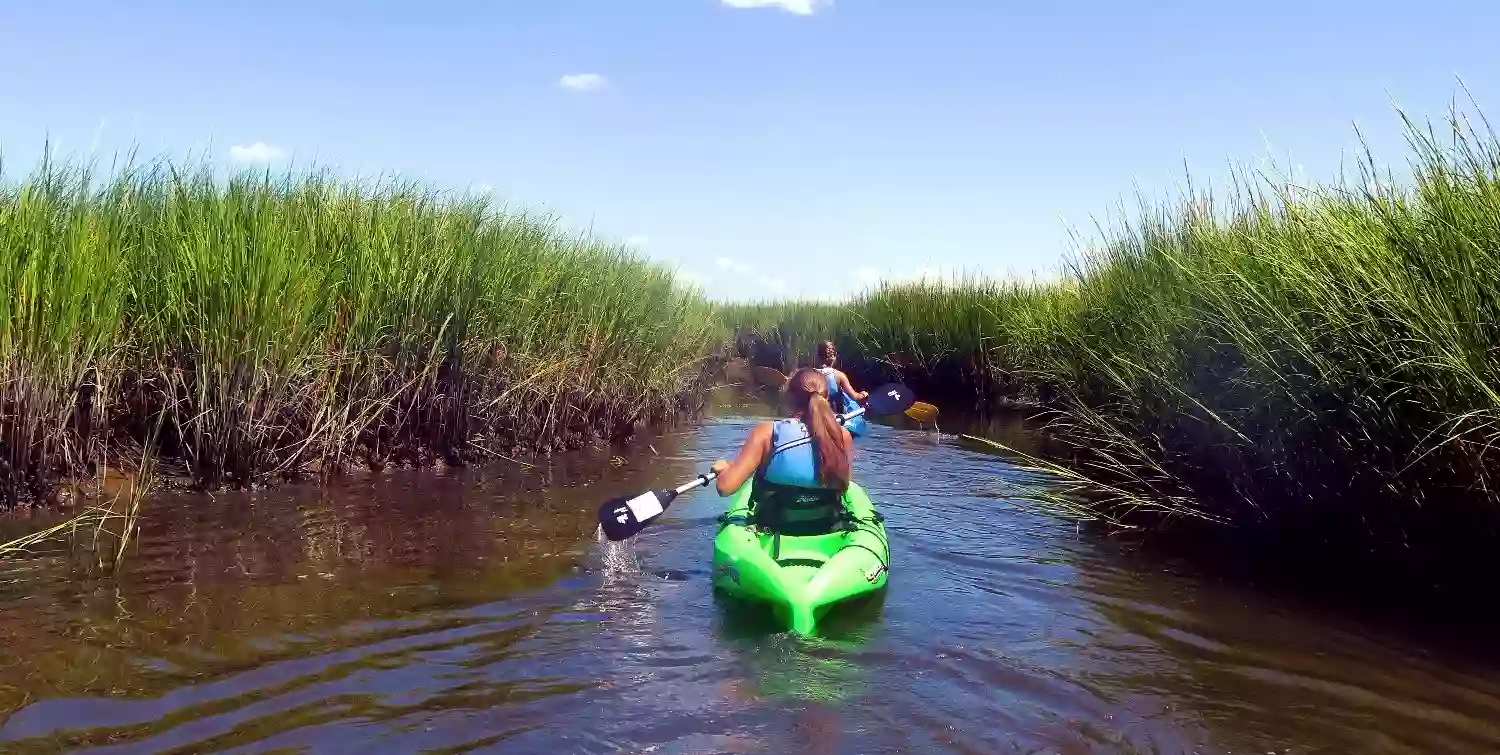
x=807, y=391
x=826, y=354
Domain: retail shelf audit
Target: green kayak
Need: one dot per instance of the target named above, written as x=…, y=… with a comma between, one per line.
x=800, y=578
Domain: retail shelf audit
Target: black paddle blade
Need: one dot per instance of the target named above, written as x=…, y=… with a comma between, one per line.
x=621, y=518
x=891, y=398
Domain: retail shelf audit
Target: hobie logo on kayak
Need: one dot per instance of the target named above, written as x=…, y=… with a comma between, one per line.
x=872, y=576
x=727, y=571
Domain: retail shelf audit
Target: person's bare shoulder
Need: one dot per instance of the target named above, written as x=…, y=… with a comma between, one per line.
x=760, y=434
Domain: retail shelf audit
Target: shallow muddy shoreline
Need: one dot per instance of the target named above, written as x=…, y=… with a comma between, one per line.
x=170, y=475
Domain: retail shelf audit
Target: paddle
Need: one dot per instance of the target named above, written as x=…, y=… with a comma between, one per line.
x=771, y=377
x=923, y=413
x=623, y=517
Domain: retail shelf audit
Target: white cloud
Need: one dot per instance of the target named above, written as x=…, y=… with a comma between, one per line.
x=775, y=284
x=259, y=152
x=727, y=263
x=797, y=7
x=583, y=82
x=639, y=239
x=481, y=189
x=692, y=278
x=866, y=274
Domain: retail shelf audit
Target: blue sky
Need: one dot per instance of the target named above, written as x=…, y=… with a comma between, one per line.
x=799, y=147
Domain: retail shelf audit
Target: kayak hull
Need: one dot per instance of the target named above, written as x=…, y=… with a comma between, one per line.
x=800, y=579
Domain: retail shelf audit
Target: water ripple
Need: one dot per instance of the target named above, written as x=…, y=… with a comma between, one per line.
x=477, y=612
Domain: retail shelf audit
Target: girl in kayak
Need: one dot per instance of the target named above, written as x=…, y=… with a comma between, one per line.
x=840, y=393
x=801, y=465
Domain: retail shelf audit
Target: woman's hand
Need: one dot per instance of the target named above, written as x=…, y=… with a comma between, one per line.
x=861, y=396
x=719, y=466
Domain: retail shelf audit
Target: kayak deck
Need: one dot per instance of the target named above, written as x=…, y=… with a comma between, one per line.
x=800, y=577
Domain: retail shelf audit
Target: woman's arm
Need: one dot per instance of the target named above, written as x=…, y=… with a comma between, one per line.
x=848, y=389
x=732, y=474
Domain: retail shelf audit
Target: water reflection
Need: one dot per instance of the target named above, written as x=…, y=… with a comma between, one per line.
x=477, y=612
x=294, y=593
x=1257, y=675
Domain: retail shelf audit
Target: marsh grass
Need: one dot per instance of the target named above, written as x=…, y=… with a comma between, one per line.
x=258, y=326
x=970, y=341
x=1320, y=364
x=92, y=521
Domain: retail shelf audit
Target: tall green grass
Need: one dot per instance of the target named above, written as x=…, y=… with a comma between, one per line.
x=972, y=341
x=274, y=324
x=1321, y=363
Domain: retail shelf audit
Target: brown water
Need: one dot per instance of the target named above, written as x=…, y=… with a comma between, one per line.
x=475, y=612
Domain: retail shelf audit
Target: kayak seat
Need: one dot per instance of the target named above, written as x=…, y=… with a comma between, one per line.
x=812, y=562
x=797, y=511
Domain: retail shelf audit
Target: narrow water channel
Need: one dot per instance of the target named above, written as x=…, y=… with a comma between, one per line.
x=476, y=612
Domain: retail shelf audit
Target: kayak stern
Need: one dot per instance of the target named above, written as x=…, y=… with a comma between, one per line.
x=800, y=578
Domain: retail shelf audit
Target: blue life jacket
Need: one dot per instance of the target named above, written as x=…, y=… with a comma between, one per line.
x=839, y=400
x=786, y=497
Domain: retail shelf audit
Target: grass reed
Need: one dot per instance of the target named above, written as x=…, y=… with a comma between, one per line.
x=253, y=326
x=1319, y=365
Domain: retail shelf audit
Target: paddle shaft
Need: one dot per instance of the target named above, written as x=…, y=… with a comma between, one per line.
x=623, y=518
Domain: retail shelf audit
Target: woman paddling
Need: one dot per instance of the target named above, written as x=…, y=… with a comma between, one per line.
x=840, y=393
x=802, y=464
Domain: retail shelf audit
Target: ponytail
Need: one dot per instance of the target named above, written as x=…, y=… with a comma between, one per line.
x=830, y=445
